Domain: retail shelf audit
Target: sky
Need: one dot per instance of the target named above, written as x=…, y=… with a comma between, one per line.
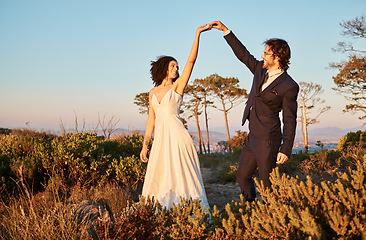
x=87, y=58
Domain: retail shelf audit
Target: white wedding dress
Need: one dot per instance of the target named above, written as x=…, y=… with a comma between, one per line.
x=173, y=169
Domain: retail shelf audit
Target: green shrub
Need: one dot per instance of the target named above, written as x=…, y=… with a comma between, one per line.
x=291, y=209
x=228, y=173
x=148, y=220
x=129, y=171
x=238, y=140
x=320, y=162
x=294, y=209
x=17, y=151
x=138, y=223
x=292, y=165
x=237, y=151
x=76, y=158
x=351, y=138
x=353, y=153
x=132, y=144
x=224, y=166
x=69, y=160
x=5, y=131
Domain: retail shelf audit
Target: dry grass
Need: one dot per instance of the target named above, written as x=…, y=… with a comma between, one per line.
x=51, y=215
x=45, y=220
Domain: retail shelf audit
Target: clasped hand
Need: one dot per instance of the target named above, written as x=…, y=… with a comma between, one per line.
x=204, y=28
x=215, y=24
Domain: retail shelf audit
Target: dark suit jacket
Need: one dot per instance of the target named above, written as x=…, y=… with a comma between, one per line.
x=263, y=107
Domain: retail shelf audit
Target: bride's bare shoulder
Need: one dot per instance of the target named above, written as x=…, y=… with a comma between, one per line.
x=152, y=91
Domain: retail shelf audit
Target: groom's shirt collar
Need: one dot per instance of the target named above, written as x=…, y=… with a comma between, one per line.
x=272, y=75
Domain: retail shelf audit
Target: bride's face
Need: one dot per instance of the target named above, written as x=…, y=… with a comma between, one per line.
x=172, y=70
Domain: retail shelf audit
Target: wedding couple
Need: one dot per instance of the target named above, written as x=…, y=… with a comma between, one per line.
x=173, y=169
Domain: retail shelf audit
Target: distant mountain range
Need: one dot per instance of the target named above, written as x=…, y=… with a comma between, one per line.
x=325, y=135
x=329, y=136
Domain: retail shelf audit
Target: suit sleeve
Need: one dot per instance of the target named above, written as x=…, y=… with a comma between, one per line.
x=289, y=114
x=241, y=52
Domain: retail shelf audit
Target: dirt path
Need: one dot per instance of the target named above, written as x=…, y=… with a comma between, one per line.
x=219, y=194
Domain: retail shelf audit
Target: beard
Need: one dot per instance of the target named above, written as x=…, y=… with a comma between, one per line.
x=269, y=65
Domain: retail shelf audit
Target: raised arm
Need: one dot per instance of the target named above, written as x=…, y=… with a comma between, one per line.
x=238, y=48
x=150, y=125
x=182, y=81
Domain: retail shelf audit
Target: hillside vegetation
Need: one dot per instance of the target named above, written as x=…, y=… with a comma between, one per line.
x=82, y=186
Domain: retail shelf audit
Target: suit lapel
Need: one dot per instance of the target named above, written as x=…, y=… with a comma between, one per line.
x=259, y=86
x=274, y=83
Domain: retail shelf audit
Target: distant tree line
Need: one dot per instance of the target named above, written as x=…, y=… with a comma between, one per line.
x=214, y=91
x=224, y=94
x=350, y=81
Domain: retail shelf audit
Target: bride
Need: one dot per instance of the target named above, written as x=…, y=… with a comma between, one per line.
x=173, y=169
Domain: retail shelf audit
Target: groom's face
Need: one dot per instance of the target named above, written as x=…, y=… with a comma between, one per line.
x=270, y=62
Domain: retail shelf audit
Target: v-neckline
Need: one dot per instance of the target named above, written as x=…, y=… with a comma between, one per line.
x=162, y=97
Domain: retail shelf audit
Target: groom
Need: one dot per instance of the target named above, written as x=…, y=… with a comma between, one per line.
x=272, y=90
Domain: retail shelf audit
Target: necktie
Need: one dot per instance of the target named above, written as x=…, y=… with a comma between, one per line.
x=265, y=79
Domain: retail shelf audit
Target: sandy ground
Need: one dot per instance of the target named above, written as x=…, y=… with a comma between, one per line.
x=219, y=194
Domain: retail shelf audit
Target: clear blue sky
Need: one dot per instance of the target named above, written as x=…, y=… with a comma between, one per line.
x=58, y=58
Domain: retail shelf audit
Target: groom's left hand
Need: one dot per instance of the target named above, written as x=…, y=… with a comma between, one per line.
x=281, y=158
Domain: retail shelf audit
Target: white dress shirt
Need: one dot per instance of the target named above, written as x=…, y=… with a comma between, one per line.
x=272, y=75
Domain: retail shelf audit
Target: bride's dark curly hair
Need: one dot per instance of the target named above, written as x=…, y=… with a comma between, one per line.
x=159, y=69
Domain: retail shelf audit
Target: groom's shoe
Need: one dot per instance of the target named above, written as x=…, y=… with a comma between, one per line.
x=251, y=196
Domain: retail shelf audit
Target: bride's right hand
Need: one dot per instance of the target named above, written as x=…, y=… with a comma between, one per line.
x=143, y=154
x=204, y=27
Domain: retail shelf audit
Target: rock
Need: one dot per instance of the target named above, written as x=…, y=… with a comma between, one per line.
x=87, y=214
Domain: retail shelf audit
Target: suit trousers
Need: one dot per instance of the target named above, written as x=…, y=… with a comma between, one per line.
x=256, y=153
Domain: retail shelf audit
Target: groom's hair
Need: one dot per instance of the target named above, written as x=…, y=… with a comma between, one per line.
x=159, y=69
x=280, y=49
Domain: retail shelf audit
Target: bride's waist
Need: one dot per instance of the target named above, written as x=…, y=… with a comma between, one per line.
x=168, y=118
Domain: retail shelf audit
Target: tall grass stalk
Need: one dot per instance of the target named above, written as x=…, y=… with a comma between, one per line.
x=30, y=217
